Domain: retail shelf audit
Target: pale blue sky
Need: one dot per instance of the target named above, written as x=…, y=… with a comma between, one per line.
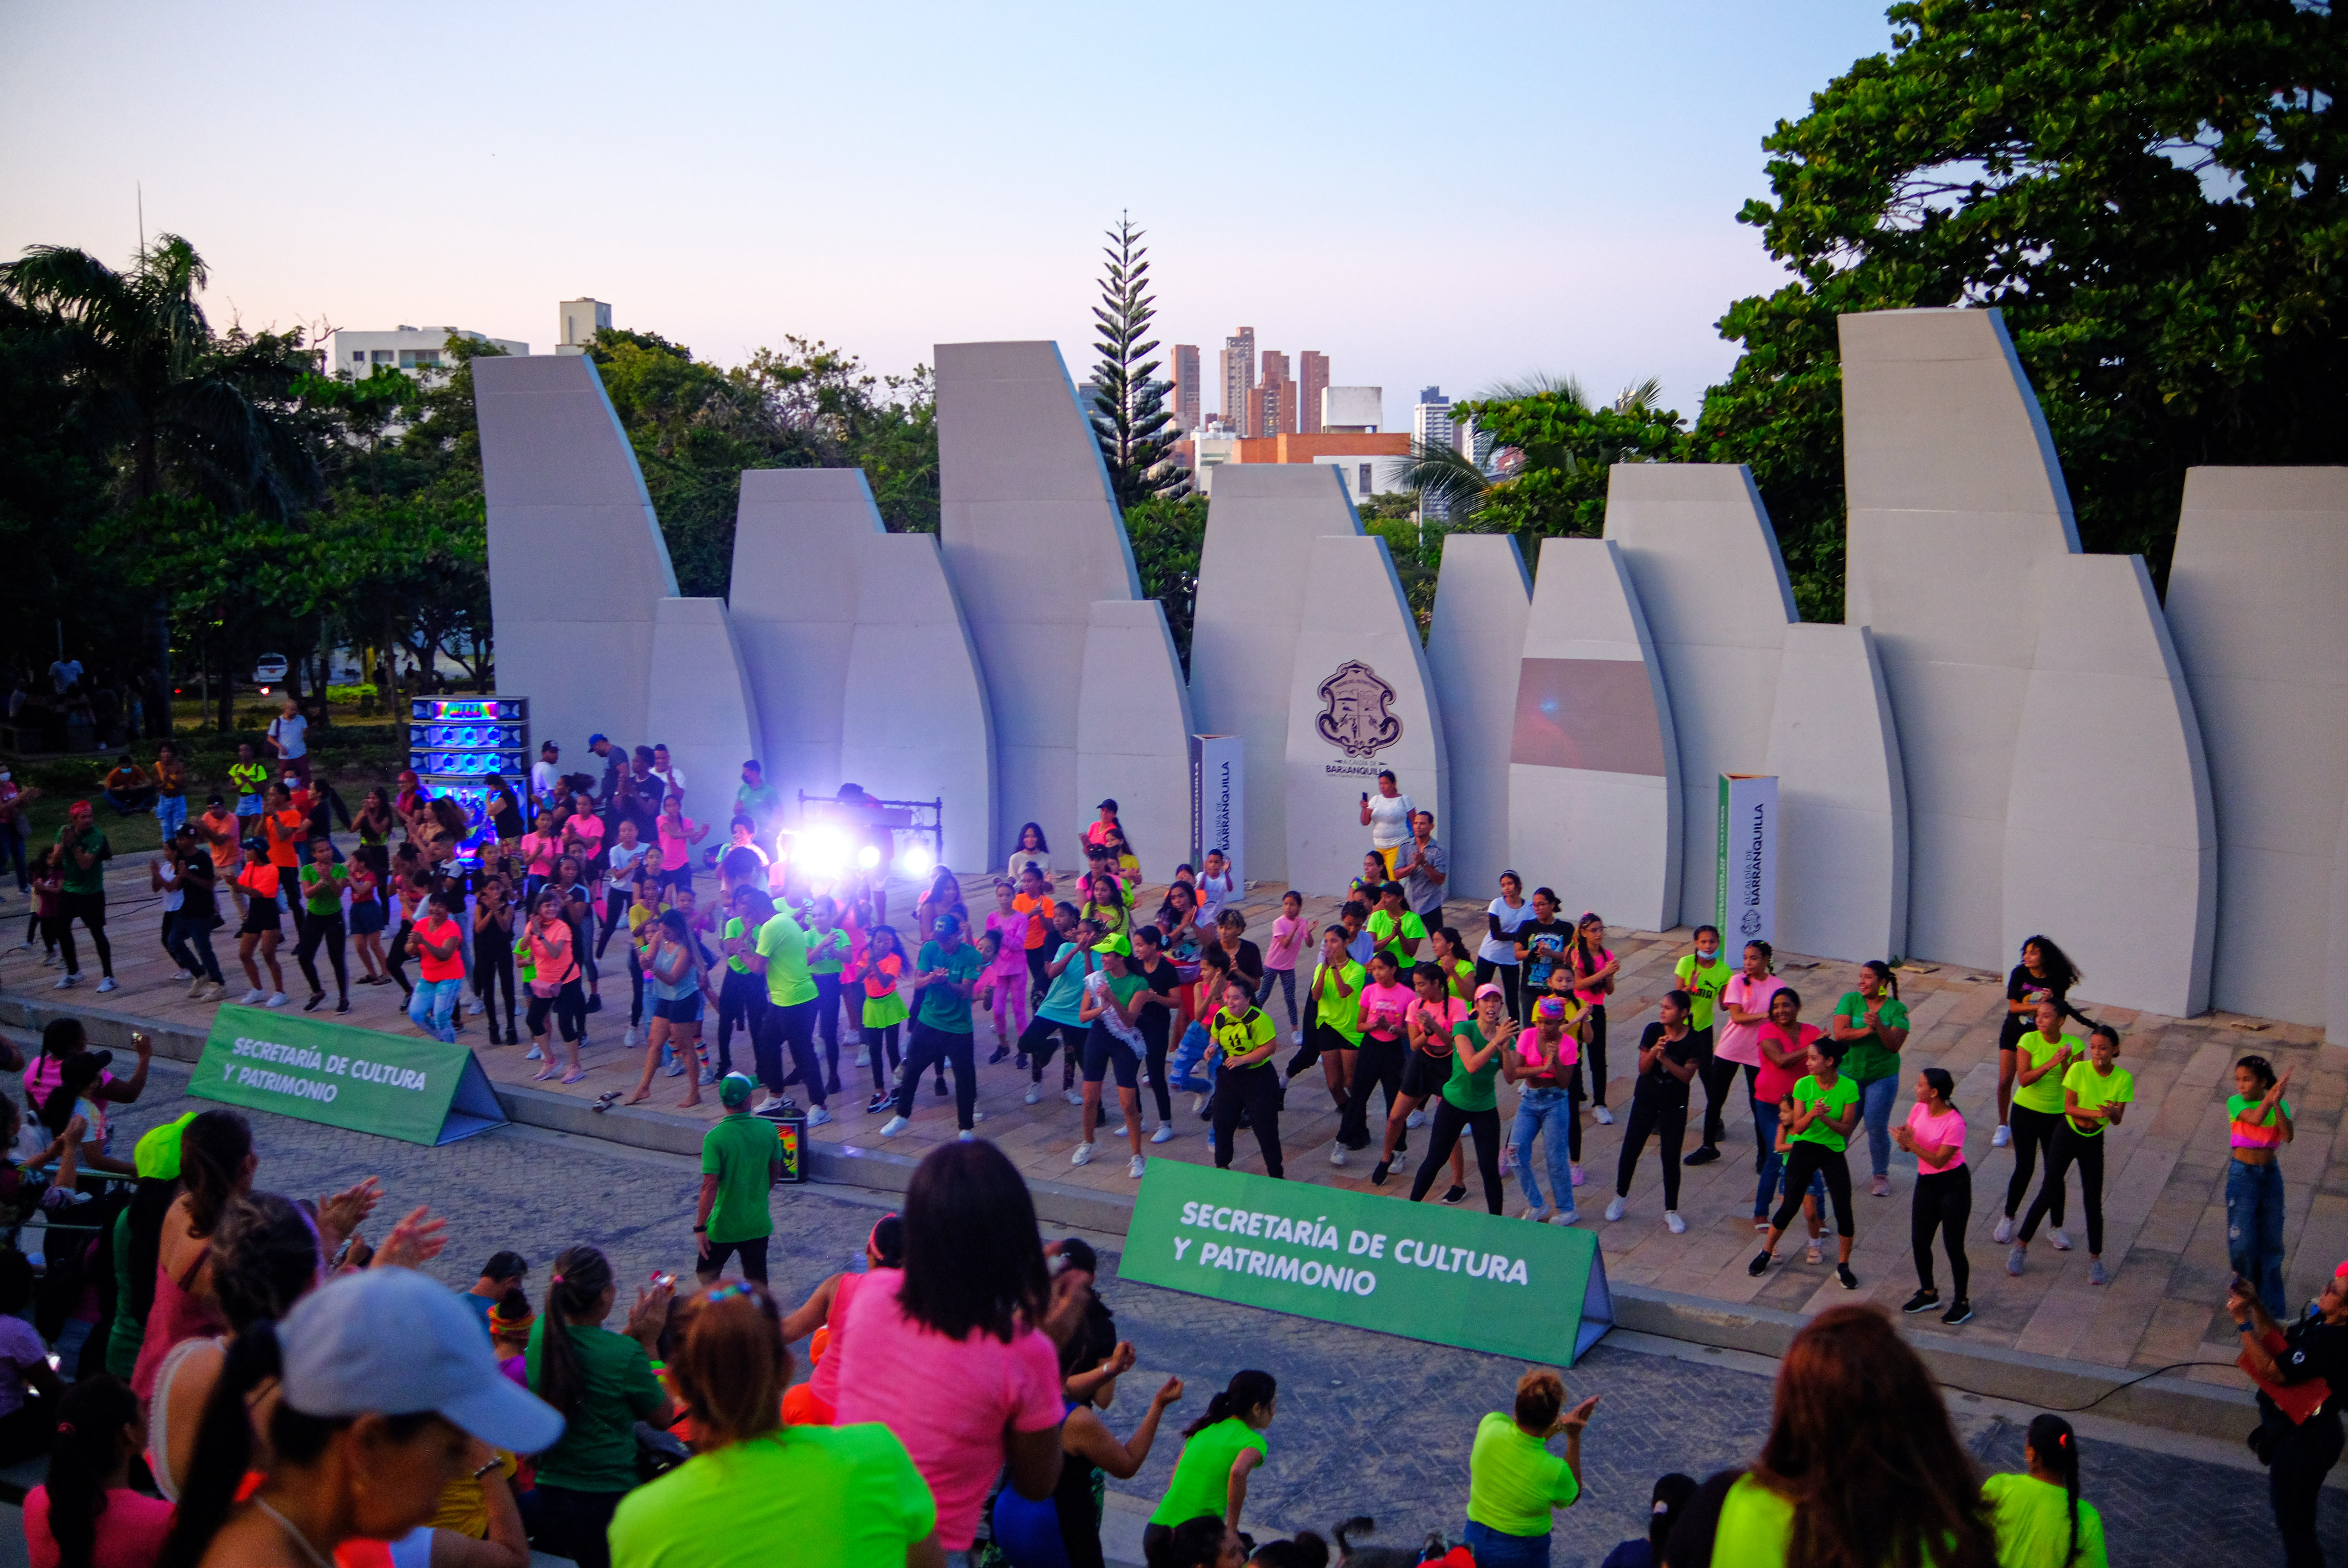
x=1423, y=196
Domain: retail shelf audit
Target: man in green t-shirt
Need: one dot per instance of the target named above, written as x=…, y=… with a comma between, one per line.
x=780, y=957
x=943, y=980
x=322, y=895
x=759, y=801
x=740, y=1162
x=83, y=896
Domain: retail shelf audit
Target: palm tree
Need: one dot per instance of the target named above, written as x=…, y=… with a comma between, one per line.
x=1454, y=485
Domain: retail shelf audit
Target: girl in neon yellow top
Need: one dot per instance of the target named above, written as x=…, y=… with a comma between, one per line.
x=2095, y=1095
x=2045, y=1054
x=1703, y=974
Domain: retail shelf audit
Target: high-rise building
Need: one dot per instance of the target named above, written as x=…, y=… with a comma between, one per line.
x=1313, y=379
x=1238, y=376
x=1276, y=401
x=1184, y=402
x=1431, y=426
x=581, y=320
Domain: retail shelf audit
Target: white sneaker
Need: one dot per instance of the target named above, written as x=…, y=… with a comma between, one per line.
x=635, y=1036
x=1034, y=1093
x=1674, y=1223
x=1124, y=1130
x=1198, y=1105
x=818, y=1116
x=2001, y=1137
x=253, y=998
x=106, y=983
x=180, y=975
x=1615, y=1209
x=1295, y=1035
x=1075, y=1097
x=1133, y=1167
x=1415, y=1121
x=978, y=1115
x=1336, y=1153
x=196, y=984
x=66, y=982
x=894, y=1125
x=1083, y=1156
x=2062, y=1243
x=967, y=1136
x=1605, y=1117
x=276, y=999
x=864, y=1056
x=1566, y=1217
x=533, y=1054
x=1164, y=1132
x=2004, y=1232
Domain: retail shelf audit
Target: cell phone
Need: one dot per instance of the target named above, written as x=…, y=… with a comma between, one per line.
x=1365, y=797
x=659, y=1279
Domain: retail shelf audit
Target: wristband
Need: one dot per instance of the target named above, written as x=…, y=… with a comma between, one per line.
x=2244, y=1327
x=699, y=1229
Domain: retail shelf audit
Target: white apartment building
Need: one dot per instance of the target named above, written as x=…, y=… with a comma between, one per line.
x=1353, y=410
x=422, y=351
x=581, y=320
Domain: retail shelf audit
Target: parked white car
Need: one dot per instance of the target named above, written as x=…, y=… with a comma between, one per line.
x=269, y=671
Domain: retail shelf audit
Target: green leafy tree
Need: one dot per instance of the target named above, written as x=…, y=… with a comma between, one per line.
x=2155, y=192
x=1169, y=535
x=1552, y=450
x=1129, y=416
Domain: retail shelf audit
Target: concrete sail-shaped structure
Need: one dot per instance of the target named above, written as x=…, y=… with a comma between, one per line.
x=1594, y=802
x=1360, y=701
x=1251, y=605
x=700, y=706
x=1133, y=731
x=1482, y=601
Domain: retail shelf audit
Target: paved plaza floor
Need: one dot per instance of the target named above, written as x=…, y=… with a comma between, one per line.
x=2164, y=1215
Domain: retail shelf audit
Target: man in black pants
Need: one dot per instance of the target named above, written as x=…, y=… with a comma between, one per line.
x=83, y=895
x=945, y=977
x=322, y=898
x=2298, y=1453
x=779, y=955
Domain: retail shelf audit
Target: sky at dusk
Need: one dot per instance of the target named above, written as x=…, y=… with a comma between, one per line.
x=1427, y=196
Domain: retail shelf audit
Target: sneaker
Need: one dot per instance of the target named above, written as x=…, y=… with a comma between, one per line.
x=1075, y=1096
x=1615, y=1208
x=1336, y=1152
x=196, y=984
x=106, y=983
x=1923, y=1301
x=2004, y=1232
x=342, y=1005
x=675, y=1068
x=1761, y=1222
x=1566, y=1216
x=1605, y=1117
x=1122, y=1129
x=1849, y=1280
x=1674, y=1223
x=49, y=960
x=1295, y=1035
x=1702, y=1156
x=1000, y=1053
x=252, y=998
x=879, y=1102
x=1882, y=1188
x=1579, y=1178
x=276, y=999
x=939, y=1085
x=1134, y=1167
x=1759, y=1265
x=864, y=1056
x=2096, y=1274
x=708, y=1075
x=1813, y=1257
x=1034, y=1093
x=894, y=1125
x=533, y=1054
x=2013, y=1261
x=317, y=999
x=634, y=1038
x=978, y=1115
x=1959, y=1311
x=66, y=982
x=1379, y=1172
x=1536, y=1213
x=967, y=1135
x=1453, y=1194
x=2062, y=1243
x=2001, y=1137
x=1415, y=1120
x=594, y=1001
x=1164, y=1132
x=820, y=1116
x=1083, y=1156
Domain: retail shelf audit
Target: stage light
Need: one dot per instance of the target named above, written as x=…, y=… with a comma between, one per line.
x=918, y=861
x=823, y=851
x=868, y=857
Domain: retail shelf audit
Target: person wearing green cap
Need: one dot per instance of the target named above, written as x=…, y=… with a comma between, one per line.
x=741, y=1160
x=156, y=1158
x=1114, y=1042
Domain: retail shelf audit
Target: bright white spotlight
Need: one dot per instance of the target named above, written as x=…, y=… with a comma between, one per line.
x=823, y=852
x=918, y=861
x=868, y=857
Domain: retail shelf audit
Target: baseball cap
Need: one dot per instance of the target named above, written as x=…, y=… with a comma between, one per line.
x=1489, y=989
x=157, y=1154
x=1114, y=944
x=734, y=1088
x=79, y=808
x=598, y=735
x=1105, y=806
x=209, y=800
x=393, y=1341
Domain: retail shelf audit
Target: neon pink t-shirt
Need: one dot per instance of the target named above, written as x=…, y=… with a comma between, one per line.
x=539, y=850
x=41, y=1080
x=1012, y=930
x=1948, y=1127
x=1287, y=941
x=1741, y=1042
x=947, y=1400
x=1594, y=996
x=1395, y=999
x=1533, y=1053
x=674, y=851
x=1776, y=1082
x=130, y=1532
x=1436, y=1018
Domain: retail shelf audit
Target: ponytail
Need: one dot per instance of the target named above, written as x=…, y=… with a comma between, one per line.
x=580, y=1274
x=1249, y=1390
x=90, y=1418
x=2057, y=1450
x=223, y=1446
x=1882, y=971
x=212, y=1161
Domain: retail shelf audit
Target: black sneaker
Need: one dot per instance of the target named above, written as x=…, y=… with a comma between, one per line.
x=1703, y=1157
x=1843, y=1273
x=1759, y=1265
x=1000, y=1052
x=1454, y=1194
x=1923, y=1301
x=317, y=999
x=1378, y=1173
x=1959, y=1311
x=879, y=1102
x=833, y=1086
x=344, y=1006
x=594, y=1001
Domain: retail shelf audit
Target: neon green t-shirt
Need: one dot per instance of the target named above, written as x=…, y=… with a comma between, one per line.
x=783, y=943
x=1202, y=1476
x=1514, y=1482
x=740, y=1152
x=1390, y=931
x=2092, y=1089
x=2037, y=1050
x=827, y=951
x=1342, y=1013
x=1702, y=983
x=1837, y=1101
x=1869, y=1059
x=2032, y=1521
x=837, y=1495
x=1238, y=1036
x=732, y=933
x=1473, y=1090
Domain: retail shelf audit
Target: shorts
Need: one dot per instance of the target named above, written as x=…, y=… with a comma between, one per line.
x=368, y=918
x=248, y=805
x=753, y=1254
x=1104, y=1052
x=260, y=916
x=1424, y=1076
x=684, y=1009
x=678, y=877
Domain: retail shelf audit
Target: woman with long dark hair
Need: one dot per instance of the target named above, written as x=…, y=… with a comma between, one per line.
x=87, y=1513
x=2045, y=1054
x=2095, y=1095
x=1496, y=956
x=1033, y=851
x=602, y=1384
x=136, y=1232
x=1871, y=1024
x=1670, y=1054
x=2259, y=1123
x=1595, y=969
x=2042, y=1521
x=1220, y=1450
x=2046, y=974
x=959, y=1353
x=1861, y=1465
x=1815, y=1123
x=1935, y=1133
x=216, y=1164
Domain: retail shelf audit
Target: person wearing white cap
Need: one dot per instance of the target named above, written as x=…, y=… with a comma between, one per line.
x=386, y=1392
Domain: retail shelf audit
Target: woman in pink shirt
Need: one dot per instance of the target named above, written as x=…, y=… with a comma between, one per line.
x=1381, y=1016
x=1594, y=970
x=88, y=1500
x=1783, y=1043
x=1002, y=987
x=538, y=849
x=1935, y=1134
x=1288, y=934
x=1432, y=1011
x=678, y=835
x=1738, y=1022
x=958, y=1354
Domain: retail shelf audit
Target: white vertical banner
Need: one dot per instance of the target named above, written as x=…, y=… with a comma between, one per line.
x=1218, y=801
x=1744, y=903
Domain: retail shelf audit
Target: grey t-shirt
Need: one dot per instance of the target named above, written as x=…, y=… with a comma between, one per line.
x=1425, y=893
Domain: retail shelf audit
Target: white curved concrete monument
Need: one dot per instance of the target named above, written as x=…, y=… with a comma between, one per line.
x=1261, y=525
x=1594, y=802
x=1842, y=804
x=1477, y=638
x=1133, y=730
x=2255, y=595
x=700, y=706
x=1360, y=701
x=1031, y=536
x=564, y=494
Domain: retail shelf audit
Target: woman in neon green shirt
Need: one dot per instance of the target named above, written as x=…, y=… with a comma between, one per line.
x=1220, y=1450
x=1514, y=1482
x=2045, y=1054
x=2095, y=1095
x=1702, y=974
x=2041, y=1519
x=1815, y=1123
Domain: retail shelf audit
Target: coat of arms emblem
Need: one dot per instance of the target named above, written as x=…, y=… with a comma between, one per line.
x=1354, y=717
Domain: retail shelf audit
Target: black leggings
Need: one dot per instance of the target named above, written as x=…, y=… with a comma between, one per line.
x=1806, y=1160
x=493, y=963
x=1156, y=1024
x=882, y=1042
x=1319, y=1039
x=1668, y=1122
x=569, y=1006
x=932, y=1045
x=328, y=929
x=615, y=915
x=1038, y=981
x=1944, y=1201
x=394, y=957
x=740, y=999
x=2085, y=1151
x=1252, y=1092
x=2033, y=1131
x=577, y=1524
x=1379, y=1061
x=1509, y=974
x=826, y=1020
x=1042, y=1036
x=89, y=909
x=1448, y=1120
x=1593, y=1054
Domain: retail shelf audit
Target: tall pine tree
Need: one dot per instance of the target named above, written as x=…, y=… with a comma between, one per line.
x=1129, y=416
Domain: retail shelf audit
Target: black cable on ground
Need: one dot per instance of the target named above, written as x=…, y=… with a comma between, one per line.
x=2091, y=1404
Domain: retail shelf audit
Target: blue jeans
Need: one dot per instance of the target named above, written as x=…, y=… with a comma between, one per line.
x=1773, y=1163
x=1552, y=1110
x=1876, y=1101
x=1493, y=1550
x=2254, y=1229
x=170, y=814
x=432, y=1005
x=12, y=851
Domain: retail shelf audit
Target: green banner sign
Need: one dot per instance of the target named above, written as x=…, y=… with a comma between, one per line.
x=1536, y=1293
x=361, y=1079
